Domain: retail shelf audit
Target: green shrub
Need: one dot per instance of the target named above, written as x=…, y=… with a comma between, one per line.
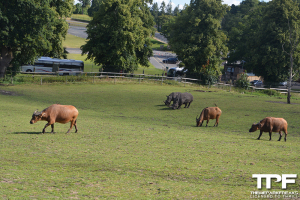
x=243, y=81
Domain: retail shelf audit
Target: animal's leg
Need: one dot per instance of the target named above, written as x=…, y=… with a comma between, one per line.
x=285, y=132
x=190, y=104
x=201, y=123
x=185, y=105
x=75, y=126
x=270, y=134
x=45, y=127
x=260, y=135
x=179, y=106
x=217, y=121
x=52, y=126
x=71, y=125
x=207, y=121
x=280, y=135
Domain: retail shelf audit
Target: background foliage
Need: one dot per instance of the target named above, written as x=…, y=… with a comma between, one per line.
x=119, y=35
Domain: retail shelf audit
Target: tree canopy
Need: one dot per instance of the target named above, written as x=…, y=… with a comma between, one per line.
x=196, y=38
x=118, y=35
x=27, y=33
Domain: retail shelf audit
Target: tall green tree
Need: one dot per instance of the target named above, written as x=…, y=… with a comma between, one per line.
x=196, y=38
x=176, y=10
x=30, y=29
x=85, y=5
x=118, y=35
x=274, y=52
x=155, y=12
x=169, y=10
x=94, y=7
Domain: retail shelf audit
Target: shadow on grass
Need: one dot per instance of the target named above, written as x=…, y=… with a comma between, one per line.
x=166, y=108
x=27, y=133
x=161, y=105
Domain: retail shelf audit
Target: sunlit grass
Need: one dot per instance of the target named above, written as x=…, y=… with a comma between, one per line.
x=81, y=17
x=131, y=146
x=73, y=41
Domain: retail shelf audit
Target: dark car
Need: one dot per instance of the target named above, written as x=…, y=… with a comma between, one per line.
x=256, y=83
x=170, y=60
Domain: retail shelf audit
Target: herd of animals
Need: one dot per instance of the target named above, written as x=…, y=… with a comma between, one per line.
x=68, y=113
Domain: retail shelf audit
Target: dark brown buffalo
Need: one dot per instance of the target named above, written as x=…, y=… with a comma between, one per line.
x=207, y=114
x=271, y=124
x=56, y=113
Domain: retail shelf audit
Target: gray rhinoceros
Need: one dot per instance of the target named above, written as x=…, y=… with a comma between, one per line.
x=183, y=98
x=171, y=97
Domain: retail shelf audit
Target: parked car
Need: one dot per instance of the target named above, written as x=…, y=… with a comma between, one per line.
x=256, y=83
x=283, y=83
x=176, y=72
x=170, y=60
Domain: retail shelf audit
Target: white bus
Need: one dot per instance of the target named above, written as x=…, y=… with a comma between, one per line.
x=46, y=64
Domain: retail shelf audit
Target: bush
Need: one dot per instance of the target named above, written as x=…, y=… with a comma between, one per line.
x=243, y=81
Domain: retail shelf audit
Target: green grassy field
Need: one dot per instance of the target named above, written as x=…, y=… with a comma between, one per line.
x=80, y=17
x=131, y=146
x=73, y=41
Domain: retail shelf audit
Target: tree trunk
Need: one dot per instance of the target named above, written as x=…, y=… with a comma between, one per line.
x=290, y=79
x=6, y=56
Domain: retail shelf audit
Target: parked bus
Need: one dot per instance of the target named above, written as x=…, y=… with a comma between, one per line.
x=46, y=64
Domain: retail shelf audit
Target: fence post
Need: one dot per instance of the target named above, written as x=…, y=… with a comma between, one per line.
x=41, y=80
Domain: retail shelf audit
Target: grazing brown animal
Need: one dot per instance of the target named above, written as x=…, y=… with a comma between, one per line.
x=271, y=124
x=209, y=113
x=56, y=113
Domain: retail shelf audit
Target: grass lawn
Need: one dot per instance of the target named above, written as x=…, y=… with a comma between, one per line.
x=81, y=17
x=73, y=41
x=156, y=44
x=131, y=146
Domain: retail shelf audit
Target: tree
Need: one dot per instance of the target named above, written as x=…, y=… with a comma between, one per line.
x=176, y=10
x=196, y=38
x=118, y=35
x=169, y=8
x=85, y=5
x=95, y=7
x=269, y=41
x=78, y=9
x=155, y=12
x=286, y=22
x=26, y=33
x=163, y=8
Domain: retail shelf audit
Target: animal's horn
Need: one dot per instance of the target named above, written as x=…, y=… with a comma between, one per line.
x=197, y=118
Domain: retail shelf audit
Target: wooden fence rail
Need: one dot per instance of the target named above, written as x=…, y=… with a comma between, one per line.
x=140, y=77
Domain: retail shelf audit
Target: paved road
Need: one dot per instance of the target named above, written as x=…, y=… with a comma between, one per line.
x=160, y=37
x=156, y=60
x=78, y=31
x=158, y=57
